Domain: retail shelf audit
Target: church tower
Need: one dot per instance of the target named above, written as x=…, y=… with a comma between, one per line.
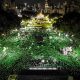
x=47, y=9
x=46, y=4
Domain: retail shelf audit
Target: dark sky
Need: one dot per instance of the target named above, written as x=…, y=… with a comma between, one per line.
x=38, y=1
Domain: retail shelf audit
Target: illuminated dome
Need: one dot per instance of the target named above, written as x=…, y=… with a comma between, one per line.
x=40, y=16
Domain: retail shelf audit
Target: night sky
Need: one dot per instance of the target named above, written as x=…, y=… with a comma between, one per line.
x=39, y=1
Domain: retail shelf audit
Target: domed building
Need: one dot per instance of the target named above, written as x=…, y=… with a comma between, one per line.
x=39, y=21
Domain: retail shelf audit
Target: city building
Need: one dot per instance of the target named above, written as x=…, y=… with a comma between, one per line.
x=48, y=7
x=71, y=6
x=9, y=4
